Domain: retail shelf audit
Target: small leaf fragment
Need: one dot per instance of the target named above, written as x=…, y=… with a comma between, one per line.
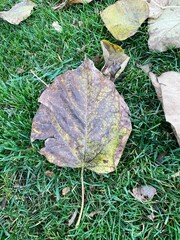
x=143, y=193
x=84, y=121
x=49, y=174
x=124, y=17
x=57, y=27
x=72, y=219
x=92, y=214
x=66, y=190
x=70, y=2
x=18, y=12
x=167, y=87
x=115, y=60
x=176, y=174
x=164, y=32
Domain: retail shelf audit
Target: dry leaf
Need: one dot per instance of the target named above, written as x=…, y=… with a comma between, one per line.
x=151, y=216
x=95, y=212
x=57, y=27
x=164, y=32
x=115, y=60
x=84, y=120
x=70, y=2
x=176, y=174
x=18, y=13
x=49, y=174
x=167, y=87
x=156, y=7
x=145, y=68
x=124, y=17
x=143, y=193
x=66, y=190
x=72, y=219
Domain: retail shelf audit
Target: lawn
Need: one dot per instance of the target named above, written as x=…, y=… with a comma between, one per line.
x=31, y=203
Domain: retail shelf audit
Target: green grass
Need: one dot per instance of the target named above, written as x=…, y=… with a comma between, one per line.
x=32, y=206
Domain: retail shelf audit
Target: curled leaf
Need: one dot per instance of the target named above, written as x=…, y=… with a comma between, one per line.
x=18, y=12
x=72, y=219
x=115, y=60
x=164, y=32
x=84, y=120
x=167, y=87
x=143, y=193
x=124, y=17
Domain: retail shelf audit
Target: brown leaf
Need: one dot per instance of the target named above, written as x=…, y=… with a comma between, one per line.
x=18, y=13
x=115, y=60
x=143, y=193
x=70, y=2
x=72, y=219
x=167, y=87
x=164, y=32
x=124, y=17
x=49, y=174
x=66, y=190
x=84, y=120
x=95, y=212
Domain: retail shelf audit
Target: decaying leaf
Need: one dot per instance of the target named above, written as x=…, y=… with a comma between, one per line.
x=70, y=2
x=176, y=174
x=49, y=174
x=66, y=190
x=18, y=12
x=143, y=193
x=92, y=214
x=72, y=219
x=156, y=7
x=124, y=17
x=57, y=27
x=84, y=120
x=115, y=60
x=151, y=216
x=167, y=87
x=145, y=68
x=164, y=32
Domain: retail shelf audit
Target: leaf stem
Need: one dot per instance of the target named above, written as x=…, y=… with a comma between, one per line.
x=82, y=197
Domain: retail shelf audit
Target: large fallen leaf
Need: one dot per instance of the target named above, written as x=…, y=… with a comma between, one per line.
x=143, y=193
x=115, y=60
x=70, y=2
x=156, y=7
x=84, y=120
x=164, y=32
x=167, y=87
x=18, y=13
x=124, y=17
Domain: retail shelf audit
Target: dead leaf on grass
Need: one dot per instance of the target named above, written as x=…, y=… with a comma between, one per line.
x=72, y=219
x=92, y=214
x=156, y=7
x=176, y=174
x=167, y=87
x=124, y=17
x=143, y=193
x=70, y=2
x=84, y=120
x=57, y=27
x=145, y=68
x=115, y=60
x=49, y=174
x=164, y=32
x=66, y=190
x=18, y=12
x=151, y=216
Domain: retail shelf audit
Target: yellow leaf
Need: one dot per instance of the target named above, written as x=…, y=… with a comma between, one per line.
x=124, y=17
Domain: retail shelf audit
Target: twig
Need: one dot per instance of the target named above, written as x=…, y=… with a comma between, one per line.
x=39, y=78
x=82, y=197
x=162, y=6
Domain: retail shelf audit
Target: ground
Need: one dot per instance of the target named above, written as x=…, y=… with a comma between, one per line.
x=32, y=205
